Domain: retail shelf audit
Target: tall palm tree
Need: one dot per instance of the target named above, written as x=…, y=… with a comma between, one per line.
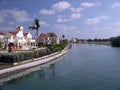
x=63, y=36
x=35, y=26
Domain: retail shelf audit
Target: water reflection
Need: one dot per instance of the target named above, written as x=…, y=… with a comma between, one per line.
x=42, y=74
x=15, y=77
x=20, y=79
x=0, y=87
x=28, y=73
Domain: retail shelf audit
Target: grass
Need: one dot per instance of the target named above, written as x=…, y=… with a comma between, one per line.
x=5, y=66
x=102, y=42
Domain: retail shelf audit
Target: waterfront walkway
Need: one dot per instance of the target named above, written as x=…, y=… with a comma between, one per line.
x=34, y=62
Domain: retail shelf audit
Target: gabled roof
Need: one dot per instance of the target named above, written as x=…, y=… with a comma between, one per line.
x=1, y=33
x=51, y=34
x=13, y=33
x=43, y=35
x=25, y=34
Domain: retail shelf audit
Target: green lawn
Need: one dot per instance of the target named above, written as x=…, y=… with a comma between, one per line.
x=102, y=42
x=5, y=66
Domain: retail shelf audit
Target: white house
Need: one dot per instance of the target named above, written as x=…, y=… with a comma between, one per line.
x=19, y=38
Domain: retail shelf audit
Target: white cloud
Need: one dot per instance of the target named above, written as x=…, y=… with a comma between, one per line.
x=95, y=20
x=67, y=30
x=64, y=27
x=19, y=15
x=76, y=10
x=117, y=24
x=63, y=5
x=75, y=16
x=11, y=23
x=62, y=20
x=47, y=12
x=115, y=5
x=89, y=4
x=43, y=23
x=102, y=28
x=3, y=14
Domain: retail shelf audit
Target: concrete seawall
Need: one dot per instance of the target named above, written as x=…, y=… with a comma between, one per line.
x=34, y=62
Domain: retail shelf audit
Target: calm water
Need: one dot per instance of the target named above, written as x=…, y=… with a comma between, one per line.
x=84, y=67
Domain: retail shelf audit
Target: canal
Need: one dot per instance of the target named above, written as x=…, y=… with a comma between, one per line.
x=84, y=67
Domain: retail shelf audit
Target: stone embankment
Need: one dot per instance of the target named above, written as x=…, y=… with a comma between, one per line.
x=34, y=62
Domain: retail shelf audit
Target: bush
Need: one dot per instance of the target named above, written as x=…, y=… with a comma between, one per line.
x=115, y=42
x=41, y=44
x=58, y=47
x=22, y=56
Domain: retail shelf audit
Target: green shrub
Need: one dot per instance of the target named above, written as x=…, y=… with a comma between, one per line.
x=115, y=42
x=41, y=44
x=22, y=56
x=58, y=47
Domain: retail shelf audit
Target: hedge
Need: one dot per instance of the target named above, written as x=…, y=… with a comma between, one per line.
x=15, y=57
x=22, y=56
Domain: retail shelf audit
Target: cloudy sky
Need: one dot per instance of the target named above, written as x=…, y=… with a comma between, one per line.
x=74, y=18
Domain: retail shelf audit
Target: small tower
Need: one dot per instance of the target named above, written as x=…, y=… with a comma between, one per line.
x=19, y=28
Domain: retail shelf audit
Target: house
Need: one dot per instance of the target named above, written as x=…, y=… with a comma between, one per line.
x=20, y=39
x=48, y=38
x=2, y=37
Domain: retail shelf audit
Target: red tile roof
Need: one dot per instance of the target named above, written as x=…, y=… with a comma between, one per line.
x=1, y=33
x=51, y=34
x=25, y=34
x=43, y=35
x=13, y=33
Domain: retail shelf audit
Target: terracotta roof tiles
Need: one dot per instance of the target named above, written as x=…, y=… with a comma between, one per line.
x=1, y=33
x=13, y=33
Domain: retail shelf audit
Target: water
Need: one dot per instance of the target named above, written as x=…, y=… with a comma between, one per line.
x=84, y=67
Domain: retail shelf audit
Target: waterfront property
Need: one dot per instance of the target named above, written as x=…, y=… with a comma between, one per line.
x=49, y=38
x=18, y=38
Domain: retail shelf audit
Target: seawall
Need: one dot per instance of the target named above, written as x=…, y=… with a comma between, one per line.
x=34, y=62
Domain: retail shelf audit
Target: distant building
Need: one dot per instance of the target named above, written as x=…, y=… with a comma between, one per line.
x=48, y=38
x=18, y=38
x=76, y=40
x=73, y=40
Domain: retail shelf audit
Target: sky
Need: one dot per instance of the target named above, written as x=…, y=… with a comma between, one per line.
x=83, y=19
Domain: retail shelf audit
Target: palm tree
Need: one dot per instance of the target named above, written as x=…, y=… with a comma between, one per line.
x=35, y=26
x=63, y=36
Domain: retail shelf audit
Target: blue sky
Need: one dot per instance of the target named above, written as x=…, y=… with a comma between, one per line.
x=82, y=19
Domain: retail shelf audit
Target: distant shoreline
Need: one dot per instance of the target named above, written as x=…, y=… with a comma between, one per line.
x=101, y=43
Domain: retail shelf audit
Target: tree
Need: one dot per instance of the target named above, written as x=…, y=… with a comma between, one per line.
x=63, y=36
x=115, y=42
x=35, y=26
